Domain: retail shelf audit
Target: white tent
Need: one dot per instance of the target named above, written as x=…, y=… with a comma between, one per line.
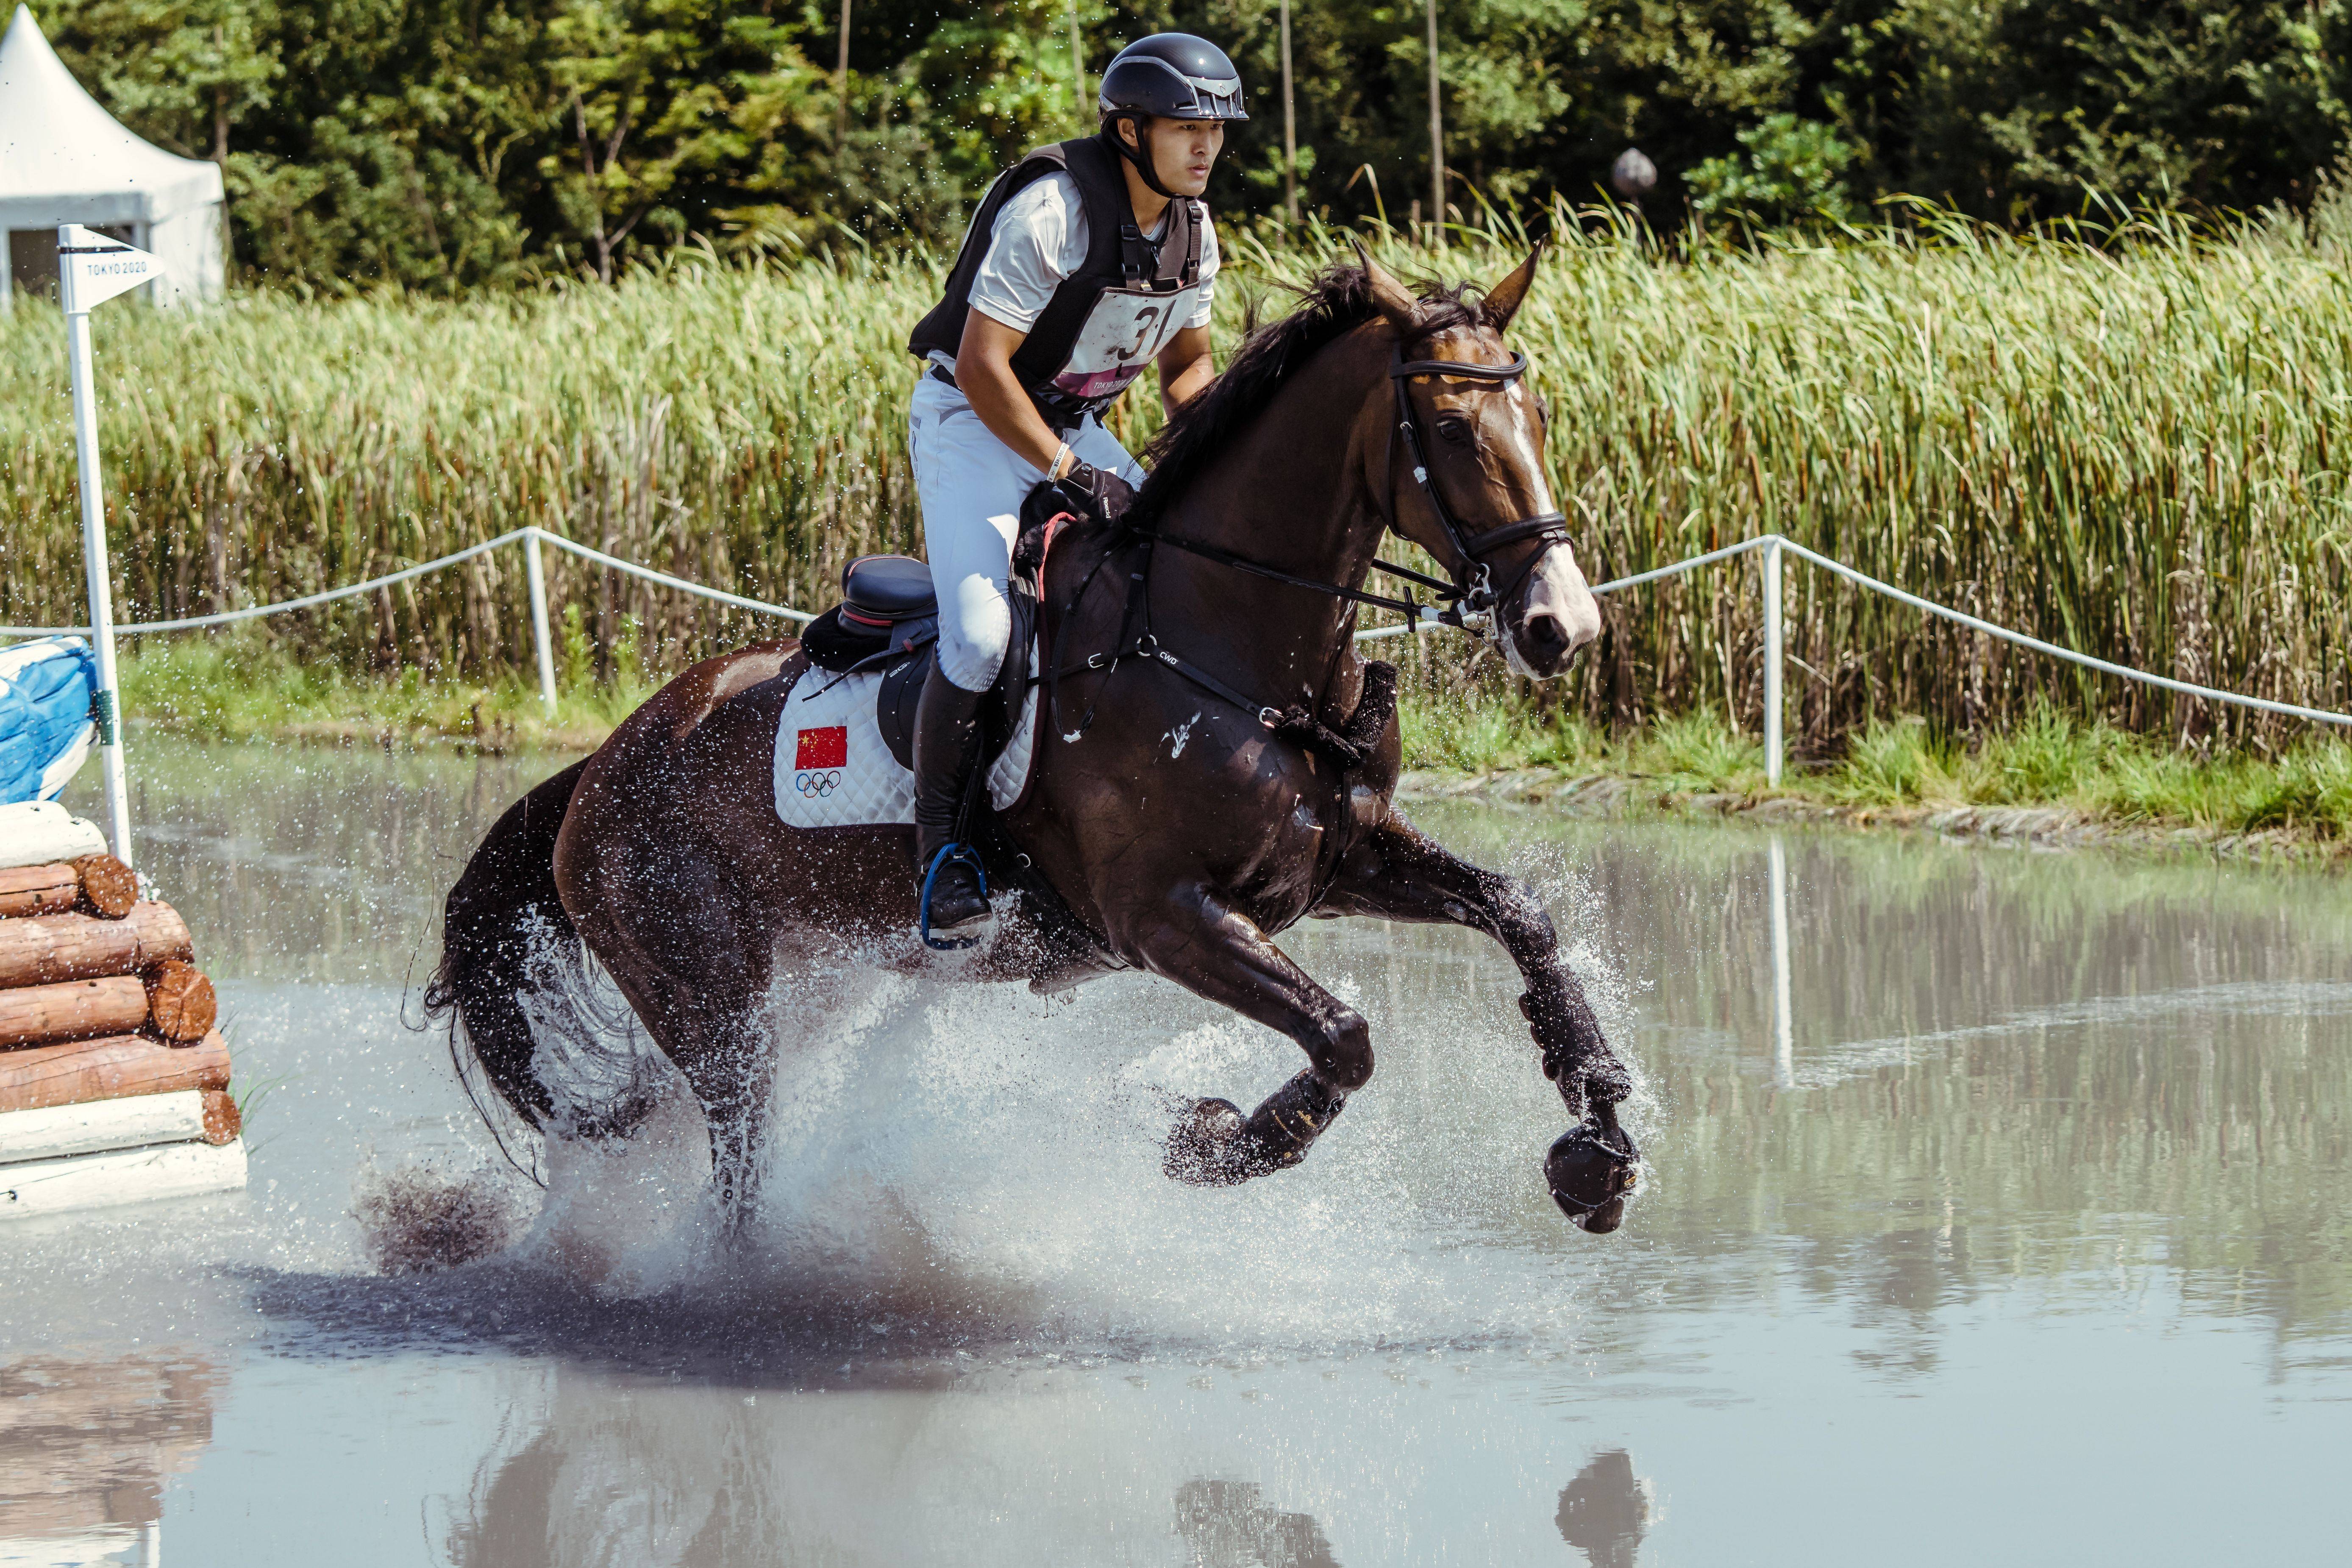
x=64, y=158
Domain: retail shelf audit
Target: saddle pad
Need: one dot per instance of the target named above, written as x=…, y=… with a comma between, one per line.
x=835, y=769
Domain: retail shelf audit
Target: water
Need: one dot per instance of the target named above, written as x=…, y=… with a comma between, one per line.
x=2035, y=1243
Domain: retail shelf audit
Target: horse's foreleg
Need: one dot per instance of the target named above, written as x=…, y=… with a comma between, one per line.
x=1218, y=952
x=1400, y=875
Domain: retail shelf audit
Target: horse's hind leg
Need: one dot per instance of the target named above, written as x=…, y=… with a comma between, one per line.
x=702, y=995
x=729, y=1063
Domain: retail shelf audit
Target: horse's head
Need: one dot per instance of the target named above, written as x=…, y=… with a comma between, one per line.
x=1466, y=469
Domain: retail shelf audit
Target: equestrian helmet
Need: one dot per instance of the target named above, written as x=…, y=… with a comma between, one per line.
x=1174, y=76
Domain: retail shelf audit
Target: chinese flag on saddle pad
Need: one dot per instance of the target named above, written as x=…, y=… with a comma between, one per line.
x=827, y=748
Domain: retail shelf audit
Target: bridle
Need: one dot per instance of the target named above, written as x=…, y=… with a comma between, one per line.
x=1472, y=592
x=1473, y=588
x=1471, y=596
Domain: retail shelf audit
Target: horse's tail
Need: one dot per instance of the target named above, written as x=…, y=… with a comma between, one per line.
x=504, y=936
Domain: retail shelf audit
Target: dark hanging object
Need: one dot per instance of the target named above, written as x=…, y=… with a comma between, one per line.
x=1633, y=175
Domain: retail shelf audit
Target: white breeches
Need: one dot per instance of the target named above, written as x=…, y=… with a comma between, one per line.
x=972, y=486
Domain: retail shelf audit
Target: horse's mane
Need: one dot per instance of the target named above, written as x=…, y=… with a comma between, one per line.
x=1336, y=300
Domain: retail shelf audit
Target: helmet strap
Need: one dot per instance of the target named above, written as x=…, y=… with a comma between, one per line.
x=1139, y=154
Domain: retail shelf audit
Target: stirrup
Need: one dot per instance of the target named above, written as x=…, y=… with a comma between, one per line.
x=950, y=854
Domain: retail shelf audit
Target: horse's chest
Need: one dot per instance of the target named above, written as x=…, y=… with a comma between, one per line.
x=1208, y=796
x=1306, y=836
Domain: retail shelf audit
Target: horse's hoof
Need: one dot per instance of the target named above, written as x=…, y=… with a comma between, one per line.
x=1605, y=1218
x=1200, y=1145
x=1589, y=1169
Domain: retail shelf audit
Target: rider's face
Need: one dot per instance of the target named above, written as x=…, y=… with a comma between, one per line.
x=1183, y=151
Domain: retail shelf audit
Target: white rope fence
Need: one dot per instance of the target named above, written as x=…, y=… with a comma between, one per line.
x=526, y=536
x=1774, y=546
x=531, y=537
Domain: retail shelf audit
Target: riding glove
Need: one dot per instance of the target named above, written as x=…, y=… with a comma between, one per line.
x=1098, y=492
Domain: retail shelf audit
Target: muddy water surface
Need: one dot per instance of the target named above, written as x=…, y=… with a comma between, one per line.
x=2030, y=1241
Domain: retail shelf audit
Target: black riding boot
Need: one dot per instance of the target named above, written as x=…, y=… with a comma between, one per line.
x=947, y=750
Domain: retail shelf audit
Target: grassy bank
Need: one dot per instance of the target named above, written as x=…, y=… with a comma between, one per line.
x=244, y=687
x=2297, y=794
x=2134, y=449
x=2301, y=795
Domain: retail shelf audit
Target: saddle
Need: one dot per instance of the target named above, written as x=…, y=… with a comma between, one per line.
x=888, y=622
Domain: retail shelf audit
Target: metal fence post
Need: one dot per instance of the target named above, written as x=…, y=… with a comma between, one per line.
x=538, y=575
x=1773, y=661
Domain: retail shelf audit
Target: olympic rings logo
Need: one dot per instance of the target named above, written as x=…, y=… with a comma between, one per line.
x=813, y=784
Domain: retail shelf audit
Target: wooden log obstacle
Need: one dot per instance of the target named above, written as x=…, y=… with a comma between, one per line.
x=95, y=884
x=113, y=1075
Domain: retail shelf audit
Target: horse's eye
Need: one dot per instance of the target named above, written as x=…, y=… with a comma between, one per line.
x=1543, y=408
x=1456, y=430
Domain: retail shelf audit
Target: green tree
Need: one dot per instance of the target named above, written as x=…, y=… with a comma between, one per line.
x=1790, y=170
x=187, y=71
x=672, y=107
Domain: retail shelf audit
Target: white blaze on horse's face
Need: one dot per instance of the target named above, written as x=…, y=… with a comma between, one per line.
x=1554, y=614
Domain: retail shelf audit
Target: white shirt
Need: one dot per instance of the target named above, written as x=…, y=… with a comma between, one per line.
x=1039, y=238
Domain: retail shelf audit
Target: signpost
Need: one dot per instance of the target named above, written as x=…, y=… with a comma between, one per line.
x=93, y=268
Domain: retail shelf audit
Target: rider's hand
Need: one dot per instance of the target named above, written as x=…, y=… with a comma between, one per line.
x=1098, y=492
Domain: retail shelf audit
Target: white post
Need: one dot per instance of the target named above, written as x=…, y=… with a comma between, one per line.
x=1436, y=140
x=1289, y=129
x=538, y=575
x=1784, y=1050
x=841, y=84
x=91, y=269
x=1773, y=662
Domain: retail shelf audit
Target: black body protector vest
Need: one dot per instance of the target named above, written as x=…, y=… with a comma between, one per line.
x=1108, y=320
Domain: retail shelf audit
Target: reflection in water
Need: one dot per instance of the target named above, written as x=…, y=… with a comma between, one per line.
x=2048, y=1171
x=646, y=1475
x=85, y=1448
x=1605, y=1511
x=1225, y=1524
x=307, y=862
x=2095, y=1077
x=631, y=1483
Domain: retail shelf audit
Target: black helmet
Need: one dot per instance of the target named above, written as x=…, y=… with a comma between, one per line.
x=1172, y=75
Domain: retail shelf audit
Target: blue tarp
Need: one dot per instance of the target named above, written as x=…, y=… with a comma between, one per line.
x=45, y=725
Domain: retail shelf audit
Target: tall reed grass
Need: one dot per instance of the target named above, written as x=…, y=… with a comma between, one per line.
x=2133, y=443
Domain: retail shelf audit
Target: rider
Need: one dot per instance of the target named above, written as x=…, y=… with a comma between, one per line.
x=1087, y=260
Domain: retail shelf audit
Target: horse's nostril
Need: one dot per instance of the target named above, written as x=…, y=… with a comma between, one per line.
x=1545, y=635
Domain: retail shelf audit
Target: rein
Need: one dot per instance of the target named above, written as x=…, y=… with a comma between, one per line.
x=1470, y=593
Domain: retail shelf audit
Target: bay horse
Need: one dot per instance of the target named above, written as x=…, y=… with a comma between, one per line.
x=1232, y=775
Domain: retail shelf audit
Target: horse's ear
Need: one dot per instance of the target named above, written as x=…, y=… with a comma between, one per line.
x=1504, y=299
x=1391, y=297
